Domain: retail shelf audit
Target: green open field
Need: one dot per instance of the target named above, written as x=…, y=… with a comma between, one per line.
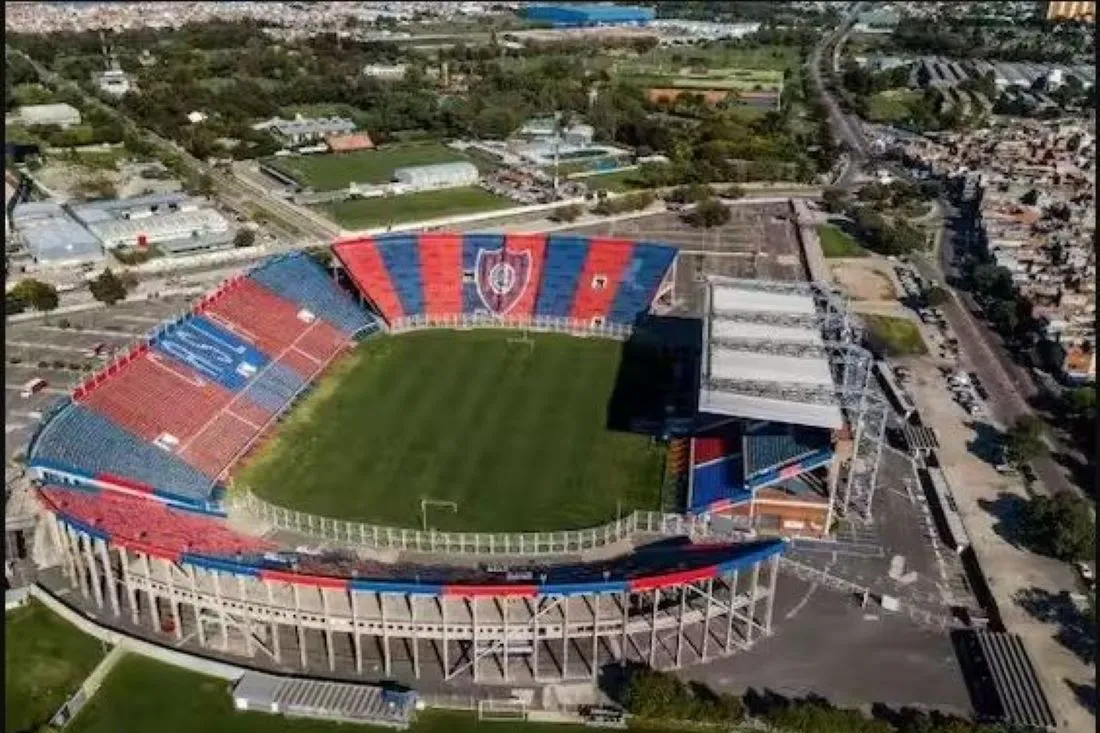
x=331, y=171
x=742, y=80
x=898, y=336
x=616, y=181
x=45, y=660
x=141, y=696
x=835, y=242
x=516, y=435
x=891, y=105
x=368, y=213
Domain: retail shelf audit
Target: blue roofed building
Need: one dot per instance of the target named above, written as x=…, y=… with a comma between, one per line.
x=569, y=15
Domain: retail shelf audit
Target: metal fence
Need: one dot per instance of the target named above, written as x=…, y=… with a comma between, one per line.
x=377, y=537
x=547, y=324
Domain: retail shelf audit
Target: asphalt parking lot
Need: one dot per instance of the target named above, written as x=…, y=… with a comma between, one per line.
x=59, y=350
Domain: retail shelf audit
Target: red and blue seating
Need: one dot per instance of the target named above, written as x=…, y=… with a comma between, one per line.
x=506, y=275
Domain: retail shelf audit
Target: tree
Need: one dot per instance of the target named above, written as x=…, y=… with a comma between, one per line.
x=13, y=304
x=107, y=288
x=1024, y=440
x=37, y=294
x=935, y=296
x=708, y=213
x=1060, y=526
x=834, y=200
x=567, y=214
x=244, y=238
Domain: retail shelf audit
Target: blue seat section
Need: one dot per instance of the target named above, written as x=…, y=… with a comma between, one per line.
x=275, y=387
x=640, y=280
x=471, y=245
x=87, y=441
x=718, y=481
x=302, y=280
x=771, y=445
x=562, y=267
x=211, y=351
x=401, y=255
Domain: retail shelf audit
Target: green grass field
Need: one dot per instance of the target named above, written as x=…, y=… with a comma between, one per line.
x=329, y=172
x=368, y=213
x=45, y=660
x=617, y=181
x=142, y=695
x=835, y=242
x=891, y=105
x=516, y=436
x=898, y=336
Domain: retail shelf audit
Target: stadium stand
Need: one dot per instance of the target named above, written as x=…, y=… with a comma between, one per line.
x=301, y=279
x=717, y=443
x=516, y=275
x=770, y=446
x=211, y=352
x=274, y=387
x=213, y=448
x=251, y=310
x=717, y=484
x=84, y=443
x=144, y=525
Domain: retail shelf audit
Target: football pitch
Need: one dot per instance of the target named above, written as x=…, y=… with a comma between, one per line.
x=513, y=429
x=331, y=171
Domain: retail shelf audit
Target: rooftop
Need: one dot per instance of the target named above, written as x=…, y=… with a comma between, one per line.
x=52, y=235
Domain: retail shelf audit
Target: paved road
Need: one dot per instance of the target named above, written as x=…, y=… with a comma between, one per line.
x=1008, y=389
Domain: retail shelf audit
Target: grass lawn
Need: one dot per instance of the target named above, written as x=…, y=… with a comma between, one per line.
x=835, y=242
x=517, y=436
x=142, y=695
x=617, y=181
x=45, y=660
x=367, y=213
x=891, y=105
x=331, y=171
x=898, y=336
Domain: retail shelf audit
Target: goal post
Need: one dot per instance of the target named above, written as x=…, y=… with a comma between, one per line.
x=496, y=710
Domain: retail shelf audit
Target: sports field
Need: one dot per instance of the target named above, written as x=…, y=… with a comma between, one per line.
x=377, y=212
x=45, y=660
x=141, y=695
x=331, y=171
x=516, y=432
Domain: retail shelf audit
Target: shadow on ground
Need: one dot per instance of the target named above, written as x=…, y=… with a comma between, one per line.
x=1007, y=509
x=1074, y=631
x=1085, y=694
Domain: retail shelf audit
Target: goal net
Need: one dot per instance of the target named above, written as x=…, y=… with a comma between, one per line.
x=501, y=710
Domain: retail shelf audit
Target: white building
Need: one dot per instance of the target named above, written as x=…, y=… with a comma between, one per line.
x=301, y=130
x=113, y=82
x=440, y=175
x=386, y=72
x=173, y=222
x=61, y=114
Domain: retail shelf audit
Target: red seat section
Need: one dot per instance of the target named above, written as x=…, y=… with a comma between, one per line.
x=301, y=363
x=213, y=448
x=320, y=342
x=250, y=309
x=441, y=270
x=536, y=245
x=154, y=394
x=146, y=522
x=600, y=278
x=725, y=441
x=364, y=265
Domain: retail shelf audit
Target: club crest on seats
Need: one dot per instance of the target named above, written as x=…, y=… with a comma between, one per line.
x=502, y=278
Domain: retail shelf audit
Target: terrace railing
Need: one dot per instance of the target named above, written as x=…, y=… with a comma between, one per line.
x=379, y=537
x=543, y=324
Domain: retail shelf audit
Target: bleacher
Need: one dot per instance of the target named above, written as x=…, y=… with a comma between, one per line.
x=81, y=441
x=301, y=279
x=558, y=276
x=771, y=446
x=718, y=484
x=135, y=522
x=169, y=417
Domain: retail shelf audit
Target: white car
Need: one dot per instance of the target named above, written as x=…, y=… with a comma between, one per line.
x=1086, y=572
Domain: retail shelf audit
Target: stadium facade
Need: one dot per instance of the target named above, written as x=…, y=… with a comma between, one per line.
x=131, y=470
x=578, y=16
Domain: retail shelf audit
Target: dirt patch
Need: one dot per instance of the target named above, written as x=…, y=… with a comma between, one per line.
x=863, y=281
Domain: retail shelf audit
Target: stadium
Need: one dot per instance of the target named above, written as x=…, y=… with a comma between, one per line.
x=248, y=481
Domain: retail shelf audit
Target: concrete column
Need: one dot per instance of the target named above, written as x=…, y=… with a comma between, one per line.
x=729, y=617
x=476, y=650
x=248, y=646
x=97, y=589
x=62, y=548
x=653, y=629
x=706, y=616
x=442, y=600
x=680, y=627
x=595, y=664
x=624, y=599
x=770, y=604
x=173, y=600
x=109, y=574
x=415, y=636
x=298, y=625
x=328, y=631
x=754, y=588
x=221, y=609
x=537, y=606
x=504, y=605
x=78, y=561
x=275, y=625
x=131, y=594
x=565, y=637
x=386, y=663
x=199, y=623
x=356, y=643
x=153, y=612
